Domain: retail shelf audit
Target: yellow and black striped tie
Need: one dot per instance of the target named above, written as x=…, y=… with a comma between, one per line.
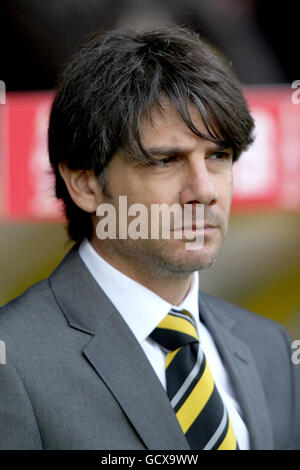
x=194, y=396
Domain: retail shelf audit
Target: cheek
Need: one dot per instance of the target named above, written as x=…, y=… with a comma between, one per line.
x=149, y=191
x=225, y=191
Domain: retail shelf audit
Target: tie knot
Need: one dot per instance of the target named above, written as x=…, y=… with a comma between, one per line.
x=175, y=330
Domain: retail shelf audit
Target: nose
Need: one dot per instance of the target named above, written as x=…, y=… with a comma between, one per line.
x=199, y=184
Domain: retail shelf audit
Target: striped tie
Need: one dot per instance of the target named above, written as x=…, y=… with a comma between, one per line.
x=191, y=389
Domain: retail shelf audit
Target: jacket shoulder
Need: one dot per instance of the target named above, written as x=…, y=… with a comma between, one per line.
x=36, y=301
x=28, y=311
x=255, y=329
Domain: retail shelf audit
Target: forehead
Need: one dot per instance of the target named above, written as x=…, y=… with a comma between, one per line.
x=167, y=125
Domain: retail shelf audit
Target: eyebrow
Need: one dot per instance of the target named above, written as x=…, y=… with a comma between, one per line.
x=158, y=151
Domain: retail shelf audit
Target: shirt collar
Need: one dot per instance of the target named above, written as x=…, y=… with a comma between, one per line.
x=140, y=307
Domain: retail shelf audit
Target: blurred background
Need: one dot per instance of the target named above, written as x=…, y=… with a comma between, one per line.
x=260, y=265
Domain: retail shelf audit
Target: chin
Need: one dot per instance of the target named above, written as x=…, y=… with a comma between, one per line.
x=186, y=261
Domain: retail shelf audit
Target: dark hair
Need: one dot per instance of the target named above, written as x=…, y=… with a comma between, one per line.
x=116, y=79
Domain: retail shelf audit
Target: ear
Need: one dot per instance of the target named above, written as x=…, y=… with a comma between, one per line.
x=83, y=187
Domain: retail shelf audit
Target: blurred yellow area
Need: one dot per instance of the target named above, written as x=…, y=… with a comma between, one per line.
x=259, y=268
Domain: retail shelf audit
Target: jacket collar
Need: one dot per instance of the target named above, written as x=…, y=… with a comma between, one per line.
x=115, y=354
x=120, y=362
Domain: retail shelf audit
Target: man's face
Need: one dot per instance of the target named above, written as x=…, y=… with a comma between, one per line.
x=190, y=170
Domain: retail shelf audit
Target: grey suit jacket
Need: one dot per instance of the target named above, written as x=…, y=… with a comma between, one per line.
x=76, y=378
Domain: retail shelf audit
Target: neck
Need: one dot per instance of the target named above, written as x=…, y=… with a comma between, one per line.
x=172, y=288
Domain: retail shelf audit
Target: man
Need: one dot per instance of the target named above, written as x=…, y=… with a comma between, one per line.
x=156, y=117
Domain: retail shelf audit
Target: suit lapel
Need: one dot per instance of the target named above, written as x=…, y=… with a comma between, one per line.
x=123, y=366
x=116, y=355
x=241, y=367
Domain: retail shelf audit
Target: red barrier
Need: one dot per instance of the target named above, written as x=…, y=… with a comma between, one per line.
x=267, y=176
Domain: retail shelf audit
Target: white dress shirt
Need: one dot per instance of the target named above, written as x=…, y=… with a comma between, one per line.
x=143, y=310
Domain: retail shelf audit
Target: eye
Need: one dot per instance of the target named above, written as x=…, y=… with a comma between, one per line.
x=164, y=162
x=168, y=160
x=221, y=156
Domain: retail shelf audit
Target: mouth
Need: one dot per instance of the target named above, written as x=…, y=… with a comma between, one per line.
x=195, y=227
